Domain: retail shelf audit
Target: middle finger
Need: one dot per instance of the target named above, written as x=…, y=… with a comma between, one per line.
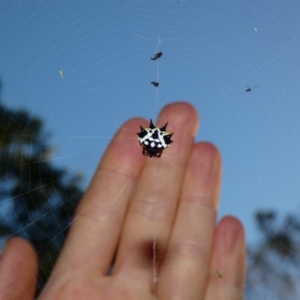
x=151, y=213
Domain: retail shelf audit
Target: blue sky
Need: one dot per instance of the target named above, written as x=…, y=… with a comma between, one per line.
x=212, y=51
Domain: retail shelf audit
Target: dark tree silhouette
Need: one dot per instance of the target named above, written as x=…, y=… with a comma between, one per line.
x=273, y=264
x=37, y=199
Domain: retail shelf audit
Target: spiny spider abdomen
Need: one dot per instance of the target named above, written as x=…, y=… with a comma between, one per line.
x=154, y=140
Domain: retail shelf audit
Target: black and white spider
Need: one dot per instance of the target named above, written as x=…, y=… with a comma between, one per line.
x=154, y=140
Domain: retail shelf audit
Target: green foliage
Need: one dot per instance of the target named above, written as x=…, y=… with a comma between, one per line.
x=37, y=198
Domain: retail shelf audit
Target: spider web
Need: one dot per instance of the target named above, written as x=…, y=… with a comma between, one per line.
x=85, y=68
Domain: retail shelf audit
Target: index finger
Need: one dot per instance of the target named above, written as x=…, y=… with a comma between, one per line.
x=100, y=215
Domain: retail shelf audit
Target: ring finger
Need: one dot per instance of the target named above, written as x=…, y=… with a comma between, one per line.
x=187, y=259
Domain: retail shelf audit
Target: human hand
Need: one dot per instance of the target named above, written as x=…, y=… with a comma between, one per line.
x=154, y=216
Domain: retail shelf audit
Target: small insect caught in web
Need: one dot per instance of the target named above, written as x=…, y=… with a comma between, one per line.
x=157, y=55
x=155, y=83
x=154, y=140
x=249, y=89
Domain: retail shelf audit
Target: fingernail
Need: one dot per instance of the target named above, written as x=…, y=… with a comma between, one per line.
x=230, y=238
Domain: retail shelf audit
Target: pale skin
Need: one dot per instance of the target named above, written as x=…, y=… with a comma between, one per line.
x=131, y=200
